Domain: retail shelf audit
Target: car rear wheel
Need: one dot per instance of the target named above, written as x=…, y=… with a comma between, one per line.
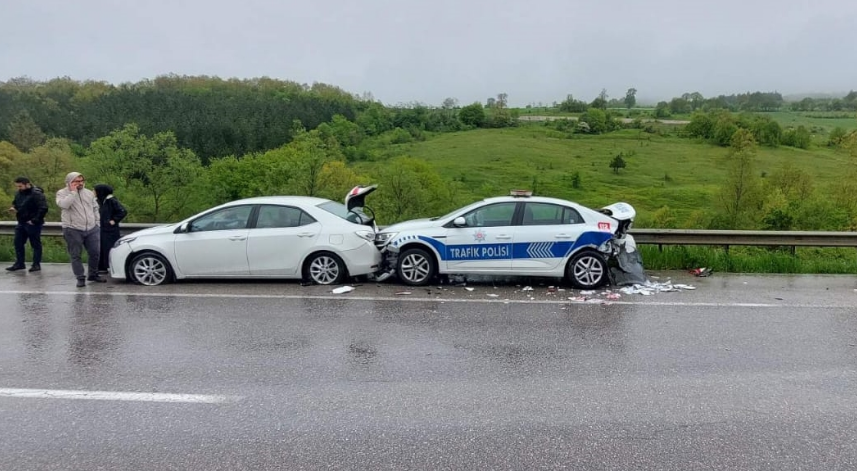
x=324, y=269
x=587, y=270
x=416, y=267
x=150, y=269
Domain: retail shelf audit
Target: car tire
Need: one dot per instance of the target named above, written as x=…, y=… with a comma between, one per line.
x=324, y=268
x=416, y=267
x=150, y=269
x=587, y=270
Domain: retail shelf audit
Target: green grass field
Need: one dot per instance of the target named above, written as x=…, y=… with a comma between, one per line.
x=661, y=171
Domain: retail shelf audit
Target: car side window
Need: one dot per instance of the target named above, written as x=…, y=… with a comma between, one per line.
x=274, y=216
x=492, y=215
x=235, y=217
x=547, y=214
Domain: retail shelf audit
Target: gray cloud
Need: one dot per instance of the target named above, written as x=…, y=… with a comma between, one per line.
x=535, y=51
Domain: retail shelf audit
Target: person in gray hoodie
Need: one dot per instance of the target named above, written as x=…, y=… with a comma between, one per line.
x=81, y=220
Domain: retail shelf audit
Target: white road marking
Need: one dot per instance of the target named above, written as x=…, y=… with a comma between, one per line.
x=115, y=396
x=422, y=299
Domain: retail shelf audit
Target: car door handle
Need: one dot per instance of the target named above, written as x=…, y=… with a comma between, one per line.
x=504, y=237
x=306, y=234
x=238, y=238
x=563, y=236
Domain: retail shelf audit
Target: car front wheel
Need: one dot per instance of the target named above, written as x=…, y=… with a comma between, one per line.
x=416, y=267
x=150, y=269
x=587, y=270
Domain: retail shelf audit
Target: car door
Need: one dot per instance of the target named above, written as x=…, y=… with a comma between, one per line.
x=215, y=244
x=484, y=243
x=545, y=236
x=280, y=239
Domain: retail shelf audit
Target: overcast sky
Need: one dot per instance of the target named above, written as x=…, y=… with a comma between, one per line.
x=417, y=50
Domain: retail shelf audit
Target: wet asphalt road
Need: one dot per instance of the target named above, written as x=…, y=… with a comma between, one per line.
x=743, y=373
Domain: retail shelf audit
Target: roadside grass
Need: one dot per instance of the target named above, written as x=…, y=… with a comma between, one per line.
x=680, y=173
x=751, y=259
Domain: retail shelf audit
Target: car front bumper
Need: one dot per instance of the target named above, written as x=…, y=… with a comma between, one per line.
x=118, y=257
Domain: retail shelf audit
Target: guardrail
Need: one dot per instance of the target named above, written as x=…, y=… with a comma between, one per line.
x=658, y=237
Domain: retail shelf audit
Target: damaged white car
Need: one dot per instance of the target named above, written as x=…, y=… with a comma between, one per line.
x=516, y=235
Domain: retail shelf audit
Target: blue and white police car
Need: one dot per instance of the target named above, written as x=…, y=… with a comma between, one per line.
x=518, y=235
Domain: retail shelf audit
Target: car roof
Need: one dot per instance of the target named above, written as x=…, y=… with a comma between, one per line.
x=311, y=200
x=531, y=199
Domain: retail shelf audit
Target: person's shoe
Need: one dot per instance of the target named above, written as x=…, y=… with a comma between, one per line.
x=35, y=268
x=16, y=268
x=97, y=279
x=81, y=282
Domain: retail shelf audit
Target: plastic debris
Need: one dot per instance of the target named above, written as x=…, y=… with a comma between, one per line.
x=343, y=290
x=492, y=295
x=403, y=293
x=577, y=299
x=701, y=271
x=587, y=292
x=527, y=288
x=613, y=296
x=469, y=289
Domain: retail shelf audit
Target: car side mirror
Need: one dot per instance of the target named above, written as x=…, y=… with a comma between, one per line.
x=459, y=222
x=184, y=227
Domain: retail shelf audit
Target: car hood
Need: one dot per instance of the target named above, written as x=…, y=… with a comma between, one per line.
x=411, y=225
x=164, y=229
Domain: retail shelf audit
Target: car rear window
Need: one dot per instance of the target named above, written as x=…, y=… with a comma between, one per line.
x=340, y=210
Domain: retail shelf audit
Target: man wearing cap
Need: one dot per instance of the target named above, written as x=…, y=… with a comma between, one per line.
x=80, y=226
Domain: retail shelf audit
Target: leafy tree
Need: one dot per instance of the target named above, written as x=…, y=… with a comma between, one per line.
x=596, y=120
x=449, y=103
x=472, y=115
x=24, y=133
x=662, y=110
x=153, y=174
x=799, y=137
x=837, y=135
x=573, y=106
x=724, y=130
x=617, y=163
x=631, y=98
x=741, y=194
x=411, y=188
x=307, y=156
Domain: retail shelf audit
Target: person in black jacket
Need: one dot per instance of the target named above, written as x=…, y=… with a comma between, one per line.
x=30, y=208
x=112, y=212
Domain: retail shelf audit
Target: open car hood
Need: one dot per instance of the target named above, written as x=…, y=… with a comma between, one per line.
x=619, y=211
x=356, y=198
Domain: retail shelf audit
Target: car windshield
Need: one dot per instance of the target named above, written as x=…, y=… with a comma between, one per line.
x=340, y=210
x=447, y=215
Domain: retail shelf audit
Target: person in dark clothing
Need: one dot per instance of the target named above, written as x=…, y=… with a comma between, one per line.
x=30, y=208
x=112, y=212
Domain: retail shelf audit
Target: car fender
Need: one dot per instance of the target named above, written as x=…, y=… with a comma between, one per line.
x=169, y=255
x=589, y=240
x=428, y=243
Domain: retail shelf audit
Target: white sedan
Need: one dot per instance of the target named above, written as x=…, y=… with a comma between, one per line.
x=518, y=235
x=315, y=239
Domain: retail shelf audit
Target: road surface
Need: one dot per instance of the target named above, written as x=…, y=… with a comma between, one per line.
x=742, y=373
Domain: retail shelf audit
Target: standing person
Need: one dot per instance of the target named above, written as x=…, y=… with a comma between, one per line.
x=112, y=212
x=80, y=221
x=30, y=208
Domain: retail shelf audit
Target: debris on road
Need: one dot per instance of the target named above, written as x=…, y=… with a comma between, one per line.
x=343, y=290
x=403, y=293
x=527, y=288
x=702, y=272
x=469, y=289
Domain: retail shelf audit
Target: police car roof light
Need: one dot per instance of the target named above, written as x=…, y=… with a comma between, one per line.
x=521, y=193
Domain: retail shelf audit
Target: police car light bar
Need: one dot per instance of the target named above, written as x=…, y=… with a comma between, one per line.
x=521, y=193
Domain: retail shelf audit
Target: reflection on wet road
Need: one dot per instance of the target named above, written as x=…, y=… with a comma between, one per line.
x=387, y=383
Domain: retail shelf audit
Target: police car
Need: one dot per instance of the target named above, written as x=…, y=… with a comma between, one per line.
x=519, y=235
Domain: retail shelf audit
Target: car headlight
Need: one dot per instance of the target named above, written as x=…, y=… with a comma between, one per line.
x=124, y=240
x=383, y=238
x=368, y=235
